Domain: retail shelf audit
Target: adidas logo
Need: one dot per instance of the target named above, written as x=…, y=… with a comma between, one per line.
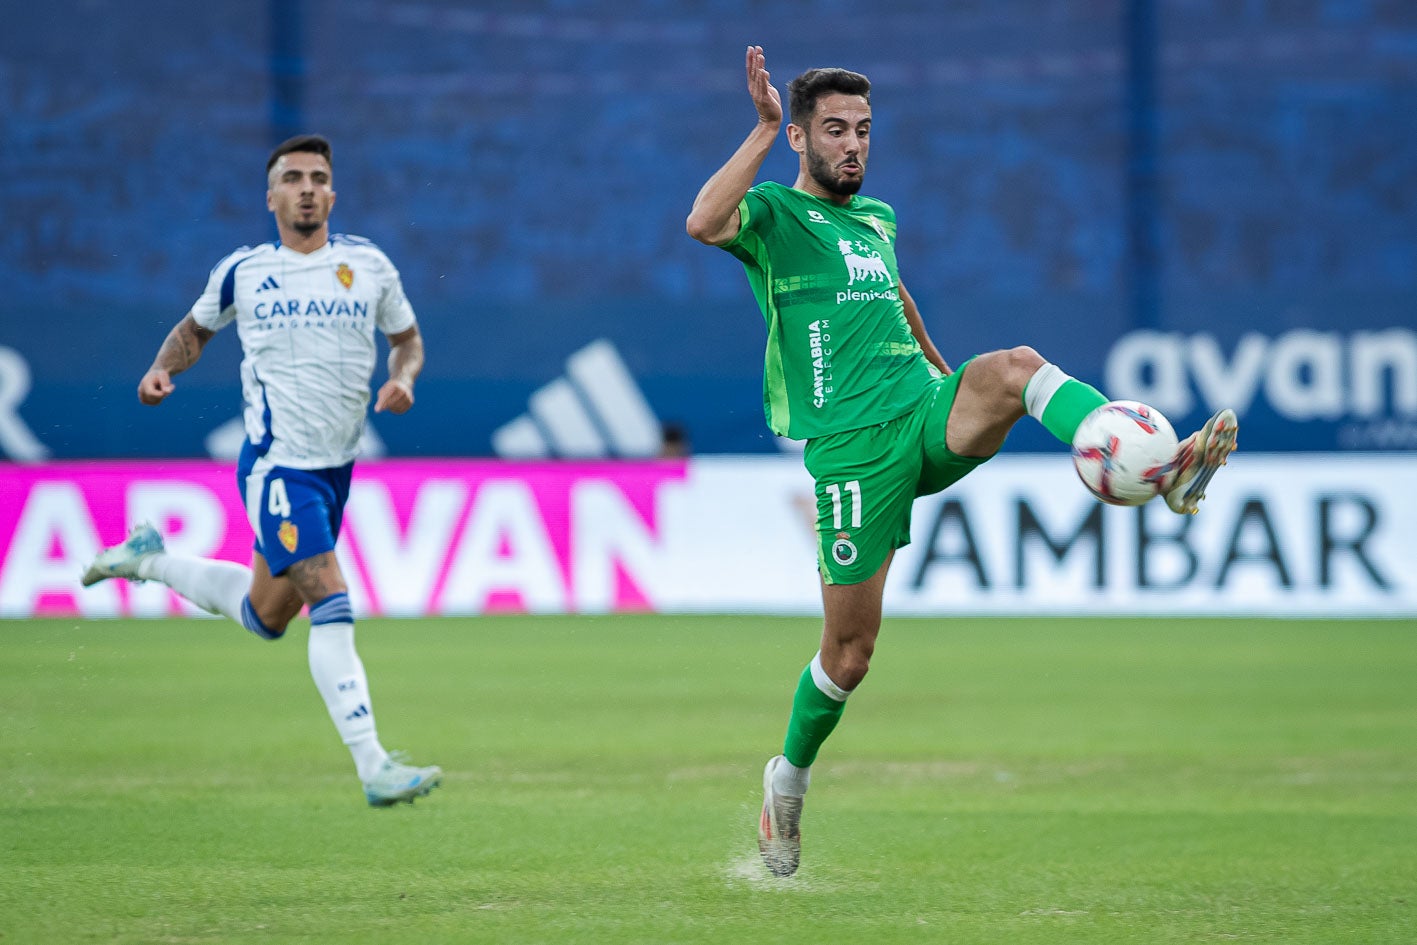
x=596, y=410
x=359, y=713
x=270, y=283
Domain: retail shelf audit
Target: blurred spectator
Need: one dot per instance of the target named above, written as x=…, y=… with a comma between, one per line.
x=674, y=441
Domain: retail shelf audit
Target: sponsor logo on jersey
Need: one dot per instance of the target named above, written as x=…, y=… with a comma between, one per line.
x=851, y=295
x=816, y=216
x=818, y=341
x=289, y=535
x=311, y=308
x=345, y=275
x=269, y=284
x=863, y=263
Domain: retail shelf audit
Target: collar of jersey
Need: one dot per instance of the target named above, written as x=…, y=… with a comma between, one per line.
x=314, y=254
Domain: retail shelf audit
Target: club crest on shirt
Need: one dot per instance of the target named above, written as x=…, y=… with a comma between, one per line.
x=878, y=227
x=843, y=549
x=289, y=535
x=345, y=275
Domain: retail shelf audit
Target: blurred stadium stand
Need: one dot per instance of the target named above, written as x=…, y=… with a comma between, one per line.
x=529, y=166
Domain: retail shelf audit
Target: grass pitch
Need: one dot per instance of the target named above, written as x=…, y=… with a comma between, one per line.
x=994, y=781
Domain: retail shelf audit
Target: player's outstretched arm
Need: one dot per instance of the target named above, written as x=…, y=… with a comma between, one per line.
x=405, y=364
x=179, y=351
x=714, y=218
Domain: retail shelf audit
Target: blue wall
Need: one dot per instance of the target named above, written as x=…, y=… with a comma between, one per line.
x=529, y=165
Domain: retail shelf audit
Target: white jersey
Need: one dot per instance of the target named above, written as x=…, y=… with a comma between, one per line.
x=307, y=330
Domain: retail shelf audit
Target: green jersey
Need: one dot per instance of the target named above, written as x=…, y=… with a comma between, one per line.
x=840, y=354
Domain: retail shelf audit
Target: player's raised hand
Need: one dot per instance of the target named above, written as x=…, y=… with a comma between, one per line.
x=765, y=96
x=395, y=397
x=155, y=386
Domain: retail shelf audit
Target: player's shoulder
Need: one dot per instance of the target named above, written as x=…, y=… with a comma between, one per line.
x=242, y=254
x=873, y=205
x=363, y=251
x=771, y=200
x=773, y=191
x=356, y=244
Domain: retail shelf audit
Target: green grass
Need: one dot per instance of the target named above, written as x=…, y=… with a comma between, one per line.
x=994, y=781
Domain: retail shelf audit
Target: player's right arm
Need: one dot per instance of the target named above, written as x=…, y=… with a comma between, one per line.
x=714, y=218
x=179, y=351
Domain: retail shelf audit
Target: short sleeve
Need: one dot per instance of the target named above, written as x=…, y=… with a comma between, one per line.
x=754, y=214
x=216, y=306
x=394, y=313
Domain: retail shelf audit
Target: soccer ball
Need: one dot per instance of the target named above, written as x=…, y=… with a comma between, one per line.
x=1123, y=452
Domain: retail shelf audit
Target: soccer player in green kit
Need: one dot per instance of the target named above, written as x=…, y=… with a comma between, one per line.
x=851, y=369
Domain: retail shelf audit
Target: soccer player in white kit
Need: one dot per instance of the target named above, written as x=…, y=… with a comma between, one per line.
x=305, y=308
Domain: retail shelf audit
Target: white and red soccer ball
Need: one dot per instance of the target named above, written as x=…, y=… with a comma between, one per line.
x=1124, y=452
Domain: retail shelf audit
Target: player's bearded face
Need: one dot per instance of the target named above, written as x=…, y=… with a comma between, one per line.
x=842, y=176
x=836, y=145
x=301, y=194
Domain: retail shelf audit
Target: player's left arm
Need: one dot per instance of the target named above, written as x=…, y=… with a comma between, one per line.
x=917, y=328
x=405, y=364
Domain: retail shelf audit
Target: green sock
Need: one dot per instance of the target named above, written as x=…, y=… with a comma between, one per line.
x=814, y=715
x=1060, y=402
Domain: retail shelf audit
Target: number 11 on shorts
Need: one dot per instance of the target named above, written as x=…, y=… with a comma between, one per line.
x=853, y=490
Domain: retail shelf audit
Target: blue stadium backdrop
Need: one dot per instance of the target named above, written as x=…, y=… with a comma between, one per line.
x=1195, y=202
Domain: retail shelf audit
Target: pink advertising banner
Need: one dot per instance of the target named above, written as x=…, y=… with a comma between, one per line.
x=1313, y=536
x=419, y=537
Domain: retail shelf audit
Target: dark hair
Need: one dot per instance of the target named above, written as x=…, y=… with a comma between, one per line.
x=314, y=144
x=814, y=83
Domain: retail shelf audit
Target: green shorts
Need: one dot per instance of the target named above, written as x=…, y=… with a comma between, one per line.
x=868, y=479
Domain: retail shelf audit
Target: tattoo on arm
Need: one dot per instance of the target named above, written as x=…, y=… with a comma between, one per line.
x=183, y=346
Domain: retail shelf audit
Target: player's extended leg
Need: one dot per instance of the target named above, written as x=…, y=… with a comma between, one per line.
x=218, y=587
x=1001, y=387
x=853, y=620
x=340, y=678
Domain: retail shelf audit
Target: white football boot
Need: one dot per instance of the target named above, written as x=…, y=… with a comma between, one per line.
x=1197, y=459
x=779, y=828
x=397, y=782
x=121, y=561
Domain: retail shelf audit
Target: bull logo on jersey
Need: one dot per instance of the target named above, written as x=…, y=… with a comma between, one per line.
x=289, y=535
x=345, y=275
x=864, y=268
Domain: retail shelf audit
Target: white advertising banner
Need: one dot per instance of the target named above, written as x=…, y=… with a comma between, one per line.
x=1284, y=535
x=1292, y=535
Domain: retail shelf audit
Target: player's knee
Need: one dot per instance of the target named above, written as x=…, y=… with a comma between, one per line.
x=1021, y=364
x=855, y=663
x=263, y=622
x=1010, y=370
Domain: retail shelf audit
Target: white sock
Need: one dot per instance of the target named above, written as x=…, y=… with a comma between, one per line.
x=215, y=586
x=824, y=682
x=1041, y=387
x=339, y=676
x=790, y=780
